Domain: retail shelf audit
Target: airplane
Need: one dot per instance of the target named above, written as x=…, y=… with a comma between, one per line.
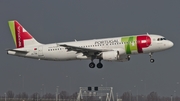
x=108, y=49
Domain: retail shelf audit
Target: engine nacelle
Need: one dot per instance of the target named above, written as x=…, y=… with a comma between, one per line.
x=116, y=55
x=81, y=56
x=111, y=55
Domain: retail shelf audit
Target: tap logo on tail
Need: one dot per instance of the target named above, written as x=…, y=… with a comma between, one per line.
x=19, y=34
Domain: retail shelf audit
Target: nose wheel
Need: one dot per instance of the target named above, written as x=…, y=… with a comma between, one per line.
x=151, y=60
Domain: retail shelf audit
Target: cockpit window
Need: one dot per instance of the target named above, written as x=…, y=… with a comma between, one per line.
x=160, y=39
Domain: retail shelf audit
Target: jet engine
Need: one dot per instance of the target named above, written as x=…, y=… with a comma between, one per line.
x=116, y=55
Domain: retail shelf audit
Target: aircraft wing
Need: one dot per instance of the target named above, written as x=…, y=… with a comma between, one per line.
x=84, y=50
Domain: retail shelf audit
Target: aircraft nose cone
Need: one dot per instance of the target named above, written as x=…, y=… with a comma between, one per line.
x=171, y=44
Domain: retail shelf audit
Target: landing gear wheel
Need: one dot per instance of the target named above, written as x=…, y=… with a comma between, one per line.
x=150, y=55
x=99, y=65
x=152, y=60
x=92, y=65
x=128, y=58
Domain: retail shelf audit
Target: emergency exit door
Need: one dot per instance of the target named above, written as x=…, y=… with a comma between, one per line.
x=40, y=51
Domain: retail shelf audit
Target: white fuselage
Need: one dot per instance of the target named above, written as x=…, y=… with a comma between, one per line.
x=59, y=53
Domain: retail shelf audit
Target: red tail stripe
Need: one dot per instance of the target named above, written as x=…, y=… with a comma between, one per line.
x=20, y=35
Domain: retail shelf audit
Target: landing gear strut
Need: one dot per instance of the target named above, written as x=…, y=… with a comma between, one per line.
x=92, y=64
x=151, y=60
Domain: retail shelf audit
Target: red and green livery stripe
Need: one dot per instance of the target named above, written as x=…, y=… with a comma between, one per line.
x=136, y=43
x=19, y=33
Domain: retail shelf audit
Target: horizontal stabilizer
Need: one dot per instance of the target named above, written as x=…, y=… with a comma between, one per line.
x=19, y=51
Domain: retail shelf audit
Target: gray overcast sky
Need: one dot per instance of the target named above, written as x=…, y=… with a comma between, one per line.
x=58, y=21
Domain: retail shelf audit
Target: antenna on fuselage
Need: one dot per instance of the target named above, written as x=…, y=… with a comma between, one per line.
x=75, y=40
x=147, y=33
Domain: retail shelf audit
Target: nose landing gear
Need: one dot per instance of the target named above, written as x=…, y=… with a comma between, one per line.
x=151, y=60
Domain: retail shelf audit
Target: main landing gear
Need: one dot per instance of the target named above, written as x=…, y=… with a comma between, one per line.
x=99, y=65
x=92, y=64
x=151, y=60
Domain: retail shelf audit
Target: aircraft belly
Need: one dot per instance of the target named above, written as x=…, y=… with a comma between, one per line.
x=60, y=56
x=152, y=48
x=67, y=56
x=147, y=50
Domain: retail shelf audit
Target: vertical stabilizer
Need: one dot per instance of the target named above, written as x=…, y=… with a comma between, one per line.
x=21, y=37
